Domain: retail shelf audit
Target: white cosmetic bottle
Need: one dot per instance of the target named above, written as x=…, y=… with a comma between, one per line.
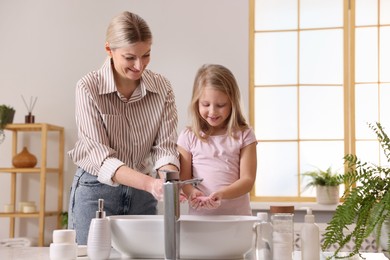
x=99, y=236
x=310, y=238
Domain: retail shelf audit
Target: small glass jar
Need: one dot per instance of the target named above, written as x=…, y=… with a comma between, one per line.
x=282, y=218
x=263, y=237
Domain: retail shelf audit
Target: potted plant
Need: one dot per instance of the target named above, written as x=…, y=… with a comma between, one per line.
x=6, y=117
x=366, y=207
x=327, y=184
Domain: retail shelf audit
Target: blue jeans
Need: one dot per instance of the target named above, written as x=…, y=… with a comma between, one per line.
x=121, y=200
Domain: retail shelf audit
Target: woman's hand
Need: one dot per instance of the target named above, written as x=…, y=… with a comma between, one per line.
x=157, y=185
x=156, y=189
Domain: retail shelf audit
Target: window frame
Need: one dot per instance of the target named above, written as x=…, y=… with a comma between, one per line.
x=349, y=95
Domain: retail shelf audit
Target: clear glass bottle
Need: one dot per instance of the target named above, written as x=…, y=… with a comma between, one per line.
x=282, y=218
x=263, y=237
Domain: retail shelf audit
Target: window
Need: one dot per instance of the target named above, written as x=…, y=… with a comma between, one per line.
x=320, y=73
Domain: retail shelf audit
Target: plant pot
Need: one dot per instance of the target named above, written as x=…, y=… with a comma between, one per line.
x=328, y=194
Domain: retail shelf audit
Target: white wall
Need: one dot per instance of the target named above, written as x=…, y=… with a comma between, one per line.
x=46, y=46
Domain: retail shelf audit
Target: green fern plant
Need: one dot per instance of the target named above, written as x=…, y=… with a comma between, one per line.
x=366, y=206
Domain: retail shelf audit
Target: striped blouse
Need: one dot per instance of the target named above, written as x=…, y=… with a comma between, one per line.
x=113, y=131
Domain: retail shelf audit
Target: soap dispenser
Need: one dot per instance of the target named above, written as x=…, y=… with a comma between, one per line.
x=99, y=236
x=310, y=238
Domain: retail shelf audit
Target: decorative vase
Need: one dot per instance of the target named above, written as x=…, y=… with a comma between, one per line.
x=29, y=119
x=24, y=159
x=328, y=194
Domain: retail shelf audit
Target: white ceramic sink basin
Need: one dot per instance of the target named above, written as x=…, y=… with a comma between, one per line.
x=201, y=237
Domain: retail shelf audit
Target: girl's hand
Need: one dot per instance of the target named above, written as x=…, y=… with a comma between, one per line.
x=194, y=199
x=182, y=197
x=213, y=201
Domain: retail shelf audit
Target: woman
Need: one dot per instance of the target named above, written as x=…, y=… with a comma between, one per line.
x=126, y=119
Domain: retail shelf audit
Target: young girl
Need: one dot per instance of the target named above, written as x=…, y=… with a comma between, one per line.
x=219, y=146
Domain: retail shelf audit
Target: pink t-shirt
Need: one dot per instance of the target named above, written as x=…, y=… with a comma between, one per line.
x=217, y=161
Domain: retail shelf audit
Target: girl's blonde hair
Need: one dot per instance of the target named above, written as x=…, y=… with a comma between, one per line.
x=221, y=79
x=127, y=28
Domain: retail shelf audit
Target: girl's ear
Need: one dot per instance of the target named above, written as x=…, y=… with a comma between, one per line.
x=108, y=49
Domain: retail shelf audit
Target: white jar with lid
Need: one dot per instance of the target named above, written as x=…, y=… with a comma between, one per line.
x=282, y=218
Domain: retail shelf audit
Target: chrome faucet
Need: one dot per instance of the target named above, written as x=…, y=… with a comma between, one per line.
x=172, y=186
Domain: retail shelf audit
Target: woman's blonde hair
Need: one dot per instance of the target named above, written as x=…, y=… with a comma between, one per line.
x=127, y=28
x=221, y=79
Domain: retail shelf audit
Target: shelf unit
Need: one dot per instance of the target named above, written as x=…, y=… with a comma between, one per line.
x=43, y=170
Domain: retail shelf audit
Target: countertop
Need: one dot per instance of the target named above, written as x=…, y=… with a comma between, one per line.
x=42, y=253
x=299, y=206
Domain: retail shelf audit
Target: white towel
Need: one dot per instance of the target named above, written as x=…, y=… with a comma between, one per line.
x=18, y=242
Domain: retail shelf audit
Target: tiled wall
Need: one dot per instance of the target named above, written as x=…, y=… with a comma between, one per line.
x=369, y=244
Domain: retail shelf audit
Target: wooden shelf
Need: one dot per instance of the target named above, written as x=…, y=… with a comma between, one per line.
x=33, y=127
x=27, y=215
x=29, y=170
x=41, y=214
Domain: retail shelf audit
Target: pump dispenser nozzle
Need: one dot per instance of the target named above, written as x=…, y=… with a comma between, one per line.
x=309, y=217
x=100, y=213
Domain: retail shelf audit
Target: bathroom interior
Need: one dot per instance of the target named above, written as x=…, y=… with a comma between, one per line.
x=307, y=98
